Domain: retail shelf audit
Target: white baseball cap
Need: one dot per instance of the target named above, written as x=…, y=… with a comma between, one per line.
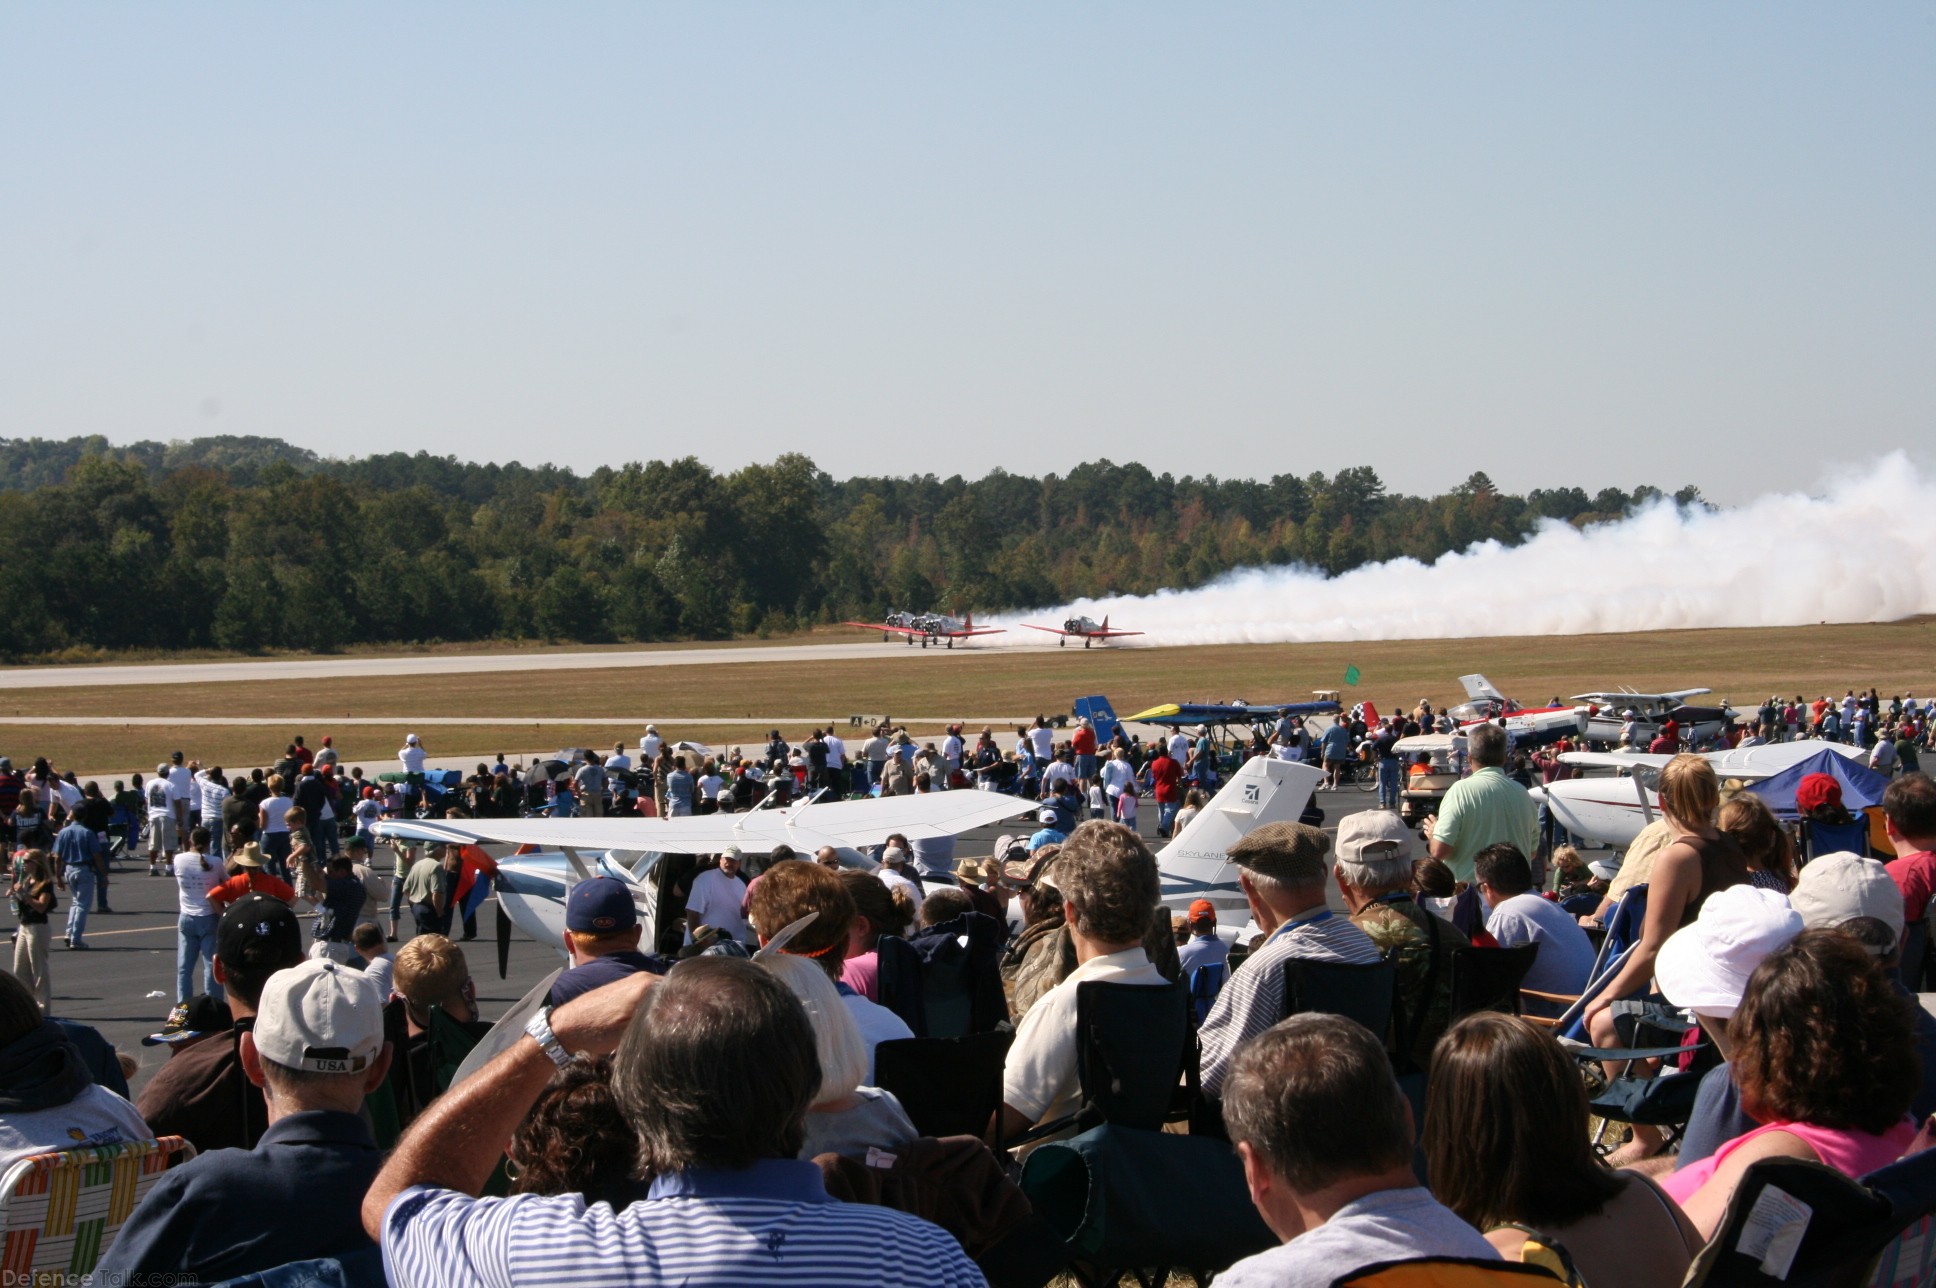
x=1837, y=888
x=410, y=738
x=320, y=1017
x=1373, y=834
x=1705, y=966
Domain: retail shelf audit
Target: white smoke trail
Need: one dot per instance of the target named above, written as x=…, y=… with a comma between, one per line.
x=1864, y=552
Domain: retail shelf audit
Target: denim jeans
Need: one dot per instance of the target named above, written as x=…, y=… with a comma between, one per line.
x=1388, y=784
x=1166, y=816
x=275, y=854
x=80, y=889
x=195, y=939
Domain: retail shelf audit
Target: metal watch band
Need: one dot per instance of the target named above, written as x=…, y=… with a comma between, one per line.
x=540, y=1031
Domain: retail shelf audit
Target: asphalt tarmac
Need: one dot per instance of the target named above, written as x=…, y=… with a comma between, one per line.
x=131, y=952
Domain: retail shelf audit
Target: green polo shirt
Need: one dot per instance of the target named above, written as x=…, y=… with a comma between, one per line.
x=1483, y=810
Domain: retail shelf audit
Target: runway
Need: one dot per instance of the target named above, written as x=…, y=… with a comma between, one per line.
x=439, y=664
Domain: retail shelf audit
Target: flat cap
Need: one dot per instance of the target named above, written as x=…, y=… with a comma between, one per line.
x=1294, y=853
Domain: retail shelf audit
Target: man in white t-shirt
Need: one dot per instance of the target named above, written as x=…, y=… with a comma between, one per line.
x=411, y=754
x=1330, y=1167
x=1117, y=773
x=1518, y=915
x=1109, y=888
x=718, y=898
x=165, y=818
x=183, y=777
x=1180, y=747
x=215, y=795
x=893, y=873
x=650, y=745
x=1043, y=739
x=951, y=748
x=837, y=762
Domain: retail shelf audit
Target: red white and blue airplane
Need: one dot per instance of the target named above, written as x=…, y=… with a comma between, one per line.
x=1086, y=629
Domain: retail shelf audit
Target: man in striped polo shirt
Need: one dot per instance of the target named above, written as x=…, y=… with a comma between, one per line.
x=1284, y=869
x=715, y=1069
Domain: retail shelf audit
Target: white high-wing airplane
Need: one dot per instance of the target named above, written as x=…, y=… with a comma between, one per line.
x=1612, y=811
x=531, y=887
x=1609, y=714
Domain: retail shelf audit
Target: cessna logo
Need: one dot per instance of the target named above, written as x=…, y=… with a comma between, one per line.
x=1253, y=793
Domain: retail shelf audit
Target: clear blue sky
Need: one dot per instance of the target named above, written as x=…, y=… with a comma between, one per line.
x=1561, y=243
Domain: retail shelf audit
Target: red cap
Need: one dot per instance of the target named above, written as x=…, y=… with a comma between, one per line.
x=1202, y=908
x=1817, y=790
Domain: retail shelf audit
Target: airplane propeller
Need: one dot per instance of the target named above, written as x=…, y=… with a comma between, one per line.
x=503, y=942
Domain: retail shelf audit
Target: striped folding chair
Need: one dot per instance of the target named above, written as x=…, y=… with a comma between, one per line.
x=59, y=1211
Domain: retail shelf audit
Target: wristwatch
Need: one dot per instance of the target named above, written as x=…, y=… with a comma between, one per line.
x=540, y=1032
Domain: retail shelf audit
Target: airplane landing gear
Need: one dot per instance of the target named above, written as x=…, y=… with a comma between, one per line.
x=1062, y=643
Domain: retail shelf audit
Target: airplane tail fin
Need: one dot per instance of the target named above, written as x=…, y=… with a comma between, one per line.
x=1478, y=686
x=1105, y=623
x=1101, y=716
x=1195, y=864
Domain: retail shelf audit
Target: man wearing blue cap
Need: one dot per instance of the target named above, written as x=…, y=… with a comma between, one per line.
x=602, y=936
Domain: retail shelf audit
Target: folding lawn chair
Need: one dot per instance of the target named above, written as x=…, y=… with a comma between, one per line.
x=949, y=1086
x=60, y=1210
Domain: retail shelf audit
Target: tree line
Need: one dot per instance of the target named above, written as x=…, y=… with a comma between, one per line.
x=250, y=543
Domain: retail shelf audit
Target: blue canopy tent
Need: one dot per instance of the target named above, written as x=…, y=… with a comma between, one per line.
x=1862, y=787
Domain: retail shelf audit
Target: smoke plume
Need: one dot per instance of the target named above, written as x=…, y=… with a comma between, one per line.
x=1865, y=551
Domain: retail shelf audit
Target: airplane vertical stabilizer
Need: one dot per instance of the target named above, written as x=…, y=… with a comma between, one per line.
x=1194, y=864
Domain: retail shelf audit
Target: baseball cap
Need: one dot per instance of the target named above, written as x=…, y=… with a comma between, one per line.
x=1293, y=852
x=410, y=739
x=1817, y=790
x=1705, y=966
x=162, y=768
x=734, y=853
x=893, y=854
x=600, y=906
x=1045, y=815
x=1840, y=887
x=258, y=932
x=1373, y=834
x=320, y=1017
x=1201, y=908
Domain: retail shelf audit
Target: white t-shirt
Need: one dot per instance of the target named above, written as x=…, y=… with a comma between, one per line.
x=649, y=748
x=411, y=758
x=951, y=751
x=161, y=797
x=1060, y=771
x=193, y=882
x=95, y=1117
x=214, y=796
x=1179, y=747
x=71, y=796
x=618, y=762
x=184, y=784
x=1116, y=775
x=382, y=969
x=716, y=900
x=273, y=810
x=367, y=812
x=876, y=1023
x=1044, y=740
x=709, y=787
x=895, y=881
x=1039, y=1077
x=836, y=752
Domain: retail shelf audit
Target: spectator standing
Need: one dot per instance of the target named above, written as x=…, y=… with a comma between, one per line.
x=34, y=899
x=589, y=779
x=430, y=887
x=344, y=895
x=165, y=810
x=315, y=1050
x=1482, y=809
x=718, y=898
x=78, y=852
x=1166, y=785
x=680, y=790
x=197, y=919
x=1325, y=1137
x=215, y=798
x=272, y=828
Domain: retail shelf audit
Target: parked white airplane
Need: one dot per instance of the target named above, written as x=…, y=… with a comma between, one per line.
x=1612, y=811
x=1609, y=715
x=531, y=888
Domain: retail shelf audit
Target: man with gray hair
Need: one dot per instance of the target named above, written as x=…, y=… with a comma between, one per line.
x=1486, y=808
x=1374, y=875
x=1283, y=873
x=1325, y=1138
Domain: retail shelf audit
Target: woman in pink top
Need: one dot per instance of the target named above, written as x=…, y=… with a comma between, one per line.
x=1824, y=1056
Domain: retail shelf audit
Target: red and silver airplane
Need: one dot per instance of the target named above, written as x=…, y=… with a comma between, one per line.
x=1528, y=725
x=929, y=628
x=1086, y=629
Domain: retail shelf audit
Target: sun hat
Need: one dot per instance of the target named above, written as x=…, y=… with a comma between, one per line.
x=249, y=856
x=320, y=1017
x=1705, y=966
x=1836, y=888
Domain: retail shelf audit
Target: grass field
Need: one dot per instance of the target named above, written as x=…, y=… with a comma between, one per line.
x=531, y=709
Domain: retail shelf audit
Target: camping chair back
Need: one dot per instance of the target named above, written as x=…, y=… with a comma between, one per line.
x=1624, y=924
x=949, y=1086
x=1488, y=979
x=61, y=1210
x=1130, y=1044
x=1361, y=993
x=1447, y=1272
x=1809, y=1226
x=1206, y=982
x=1834, y=838
x=1909, y=1185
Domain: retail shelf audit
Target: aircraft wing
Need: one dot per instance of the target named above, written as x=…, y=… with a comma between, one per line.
x=1194, y=713
x=1613, y=759
x=1046, y=630
x=1626, y=696
x=1111, y=633
x=962, y=635
x=804, y=827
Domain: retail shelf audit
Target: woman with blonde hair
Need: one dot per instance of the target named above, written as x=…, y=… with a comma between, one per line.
x=1701, y=860
x=845, y=1117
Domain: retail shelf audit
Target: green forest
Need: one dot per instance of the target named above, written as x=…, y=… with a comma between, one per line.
x=250, y=544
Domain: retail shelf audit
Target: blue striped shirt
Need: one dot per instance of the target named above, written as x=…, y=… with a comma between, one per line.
x=773, y=1223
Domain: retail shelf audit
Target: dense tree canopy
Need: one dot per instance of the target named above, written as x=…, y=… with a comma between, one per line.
x=249, y=543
